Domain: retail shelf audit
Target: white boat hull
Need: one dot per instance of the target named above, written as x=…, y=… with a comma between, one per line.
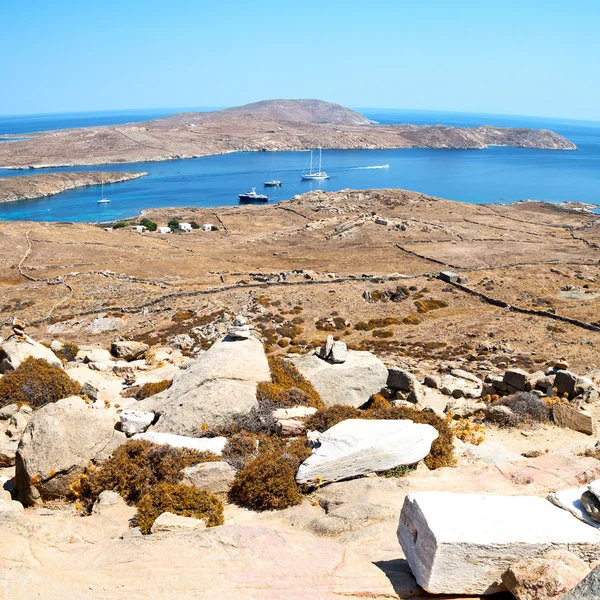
x=315, y=176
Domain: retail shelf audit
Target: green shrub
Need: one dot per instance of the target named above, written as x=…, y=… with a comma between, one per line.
x=148, y=224
x=68, y=352
x=179, y=499
x=121, y=224
x=173, y=223
x=36, y=382
x=135, y=469
x=269, y=480
x=147, y=390
x=194, y=225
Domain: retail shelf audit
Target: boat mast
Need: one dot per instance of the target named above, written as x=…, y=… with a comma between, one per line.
x=319, y=159
x=311, y=169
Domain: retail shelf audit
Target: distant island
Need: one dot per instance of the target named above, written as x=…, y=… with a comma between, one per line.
x=30, y=187
x=270, y=125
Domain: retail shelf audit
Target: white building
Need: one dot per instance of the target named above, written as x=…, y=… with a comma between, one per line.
x=138, y=228
x=164, y=230
x=184, y=227
x=207, y=227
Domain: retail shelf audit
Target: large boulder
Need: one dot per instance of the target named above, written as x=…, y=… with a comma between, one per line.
x=464, y=543
x=351, y=383
x=357, y=446
x=588, y=589
x=16, y=348
x=58, y=443
x=217, y=387
x=128, y=350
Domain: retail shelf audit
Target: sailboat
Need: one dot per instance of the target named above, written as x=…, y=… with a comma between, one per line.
x=311, y=175
x=102, y=199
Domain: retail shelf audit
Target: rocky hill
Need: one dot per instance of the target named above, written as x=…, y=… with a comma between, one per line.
x=274, y=125
x=29, y=187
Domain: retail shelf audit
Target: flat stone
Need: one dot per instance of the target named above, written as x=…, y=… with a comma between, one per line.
x=465, y=408
x=135, y=421
x=449, y=276
x=464, y=543
x=294, y=412
x=466, y=375
x=351, y=383
x=357, y=446
x=570, y=500
x=214, y=477
x=571, y=418
x=289, y=428
x=518, y=379
x=215, y=444
x=239, y=332
x=169, y=522
x=128, y=350
x=565, y=382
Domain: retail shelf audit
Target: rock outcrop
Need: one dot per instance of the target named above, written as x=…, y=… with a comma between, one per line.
x=16, y=348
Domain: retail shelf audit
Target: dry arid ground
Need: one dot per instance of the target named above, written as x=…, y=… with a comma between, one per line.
x=323, y=252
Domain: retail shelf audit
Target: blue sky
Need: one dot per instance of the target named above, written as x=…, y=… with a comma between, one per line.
x=515, y=57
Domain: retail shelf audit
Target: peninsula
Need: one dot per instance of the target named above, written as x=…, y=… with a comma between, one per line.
x=30, y=187
x=270, y=125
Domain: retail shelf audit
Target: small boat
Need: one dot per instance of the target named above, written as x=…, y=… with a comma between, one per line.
x=253, y=197
x=103, y=200
x=315, y=175
x=272, y=183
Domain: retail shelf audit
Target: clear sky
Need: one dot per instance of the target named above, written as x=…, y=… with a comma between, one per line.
x=530, y=57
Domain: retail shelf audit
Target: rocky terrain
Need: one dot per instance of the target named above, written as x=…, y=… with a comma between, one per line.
x=29, y=187
x=273, y=125
x=395, y=395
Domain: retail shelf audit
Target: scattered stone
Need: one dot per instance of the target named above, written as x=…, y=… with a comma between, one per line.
x=215, y=444
x=399, y=379
x=351, y=383
x=289, y=428
x=465, y=408
x=433, y=381
x=16, y=348
x=90, y=390
x=499, y=414
x=128, y=350
x=356, y=446
x=449, y=276
x=565, y=382
x=102, y=324
x=106, y=499
x=169, y=522
x=518, y=379
x=544, y=578
x=469, y=553
x=6, y=412
x=466, y=375
x=215, y=477
x=135, y=421
x=572, y=418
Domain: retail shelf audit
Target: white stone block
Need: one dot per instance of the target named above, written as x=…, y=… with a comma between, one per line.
x=215, y=444
x=463, y=543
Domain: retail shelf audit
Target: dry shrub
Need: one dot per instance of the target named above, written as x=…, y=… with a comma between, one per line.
x=147, y=390
x=36, y=382
x=411, y=320
x=135, y=469
x=424, y=306
x=269, y=480
x=68, y=352
x=286, y=386
x=240, y=448
x=442, y=449
x=179, y=499
x=526, y=407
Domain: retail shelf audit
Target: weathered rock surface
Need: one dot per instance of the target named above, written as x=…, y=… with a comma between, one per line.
x=587, y=589
x=469, y=552
x=215, y=444
x=591, y=505
x=356, y=446
x=572, y=418
x=215, y=477
x=399, y=379
x=135, y=421
x=351, y=383
x=213, y=391
x=58, y=443
x=570, y=500
x=544, y=578
x=16, y=348
x=169, y=522
x=128, y=350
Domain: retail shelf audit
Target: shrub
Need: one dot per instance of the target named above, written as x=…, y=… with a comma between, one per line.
x=173, y=223
x=147, y=390
x=121, y=224
x=399, y=471
x=36, y=382
x=424, y=306
x=179, y=499
x=526, y=408
x=194, y=225
x=68, y=352
x=135, y=469
x=148, y=224
x=240, y=448
x=269, y=480
x=287, y=386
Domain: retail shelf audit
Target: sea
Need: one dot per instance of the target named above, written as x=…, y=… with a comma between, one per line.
x=494, y=175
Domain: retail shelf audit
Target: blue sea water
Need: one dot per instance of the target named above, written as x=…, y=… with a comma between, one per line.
x=496, y=174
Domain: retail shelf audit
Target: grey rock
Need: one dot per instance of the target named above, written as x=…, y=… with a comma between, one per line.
x=449, y=276
x=466, y=375
x=239, y=332
x=219, y=386
x=587, y=589
x=565, y=382
x=214, y=477
x=518, y=379
x=591, y=505
x=16, y=348
x=351, y=383
x=128, y=350
x=6, y=412
x=339, y=353
x=135, y=421
x=499, y=414
x=399, y=379
x=433, y=381
x=58, y=443
x=465, y=408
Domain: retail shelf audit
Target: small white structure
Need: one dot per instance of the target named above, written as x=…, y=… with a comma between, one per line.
x=164, y=230
x=138, y=228
x=184, y=227
x=207, y=227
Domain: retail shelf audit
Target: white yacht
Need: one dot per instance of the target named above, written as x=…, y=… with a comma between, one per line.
x=103, y=200
x=312, y=175
x=253, y=197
